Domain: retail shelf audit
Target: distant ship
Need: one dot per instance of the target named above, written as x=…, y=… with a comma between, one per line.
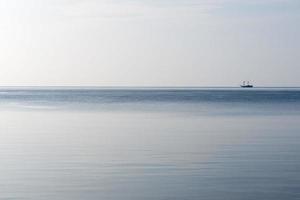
x=246, y=85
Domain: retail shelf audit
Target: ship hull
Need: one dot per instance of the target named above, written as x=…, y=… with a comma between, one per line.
x=247, y=86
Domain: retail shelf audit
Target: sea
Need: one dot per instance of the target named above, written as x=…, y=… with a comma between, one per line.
x=134, y=143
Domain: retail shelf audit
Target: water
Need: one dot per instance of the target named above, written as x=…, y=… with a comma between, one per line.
x=149, y=143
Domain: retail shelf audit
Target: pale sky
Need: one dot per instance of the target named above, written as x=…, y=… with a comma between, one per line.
x=149, y=42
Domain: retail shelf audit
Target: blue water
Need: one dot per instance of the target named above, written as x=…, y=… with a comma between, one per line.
x=149, y=143
x=151, y=95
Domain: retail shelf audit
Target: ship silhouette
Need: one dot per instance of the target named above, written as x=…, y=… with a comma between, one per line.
x=246, y=85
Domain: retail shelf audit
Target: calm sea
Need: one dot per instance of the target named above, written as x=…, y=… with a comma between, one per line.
x=149, y=144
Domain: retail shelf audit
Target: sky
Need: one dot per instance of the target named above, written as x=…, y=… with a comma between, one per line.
x=149, y=42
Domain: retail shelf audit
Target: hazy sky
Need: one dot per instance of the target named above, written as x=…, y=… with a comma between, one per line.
x=149, y=42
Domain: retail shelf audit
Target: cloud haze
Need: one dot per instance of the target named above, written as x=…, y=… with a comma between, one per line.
x=147, y=42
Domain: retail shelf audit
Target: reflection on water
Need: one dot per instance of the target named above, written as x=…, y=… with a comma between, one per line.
x=55, y=147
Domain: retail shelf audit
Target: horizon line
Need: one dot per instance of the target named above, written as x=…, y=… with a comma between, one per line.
x=130, y=86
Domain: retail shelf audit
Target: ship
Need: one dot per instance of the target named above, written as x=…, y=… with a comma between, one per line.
x=246, y=85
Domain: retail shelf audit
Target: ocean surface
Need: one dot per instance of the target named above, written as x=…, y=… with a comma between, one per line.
x=149, y=143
